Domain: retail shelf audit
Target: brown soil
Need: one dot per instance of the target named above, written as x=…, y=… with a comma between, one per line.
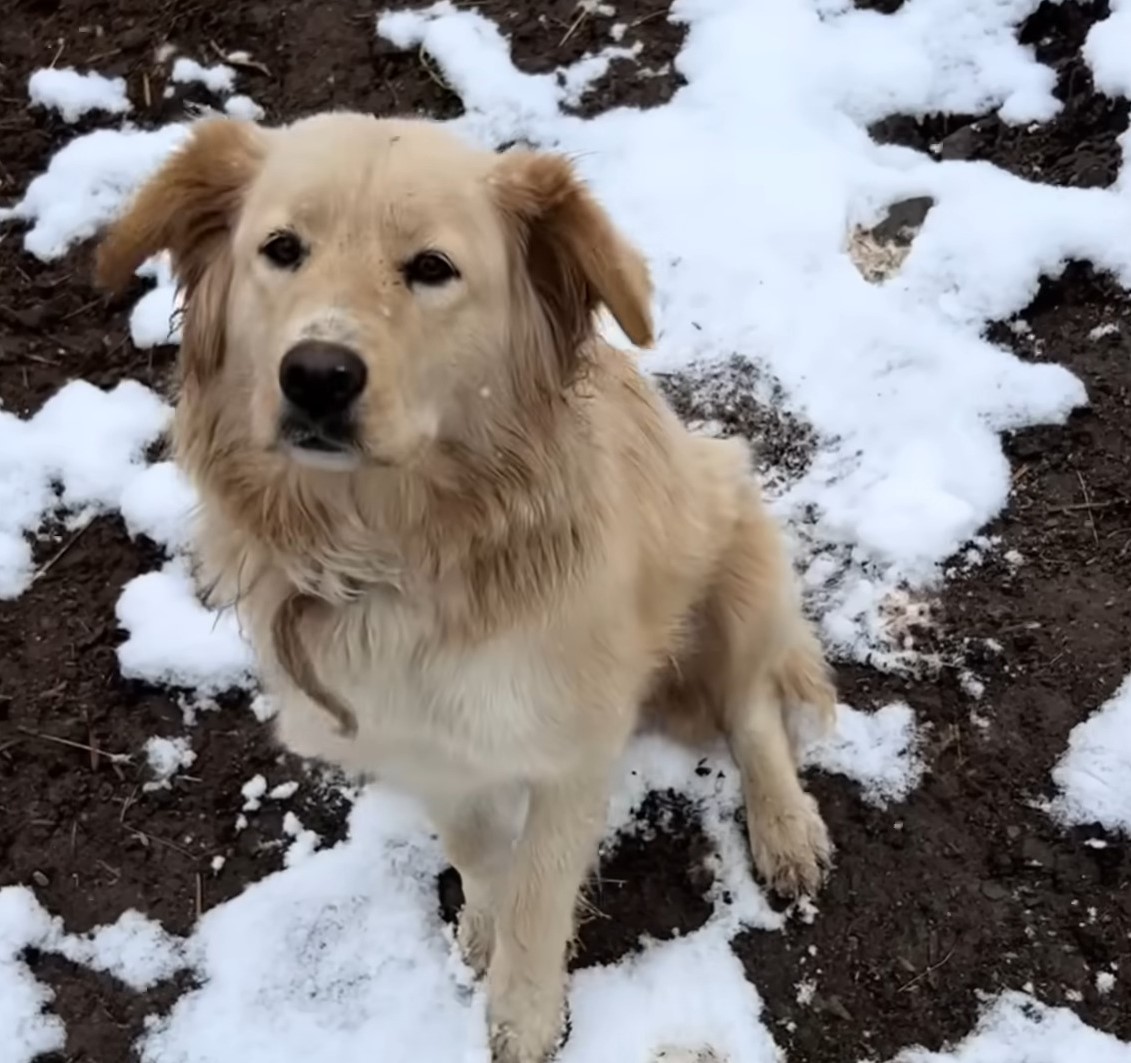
x=963, y=888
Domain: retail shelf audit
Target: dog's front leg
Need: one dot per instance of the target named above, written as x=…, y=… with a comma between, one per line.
x=534, y=921
x=478, y=833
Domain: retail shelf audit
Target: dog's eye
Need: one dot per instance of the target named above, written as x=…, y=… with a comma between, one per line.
x=283, y=249
x=429, y=268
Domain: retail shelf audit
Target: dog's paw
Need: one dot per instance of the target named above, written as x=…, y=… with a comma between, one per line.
x=524, y=1043
x=526, y=1027
x=791, y=848
x=476, y=938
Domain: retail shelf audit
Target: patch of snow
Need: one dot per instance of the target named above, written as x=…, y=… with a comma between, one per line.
x=678, y=996
x=86, y=185
x=73, y=94
x=252, y=792
x=879, y=750
x=340, y=958
x=576, y=79
x=135, y=950
x=219, y=79
x=1018, y=1029
x=217, y=864
x=244, y=108
x=155, y=319
x=284, y=791
x=1109, y=328
x=1093, y=774
x=159, y=502
x=1106, y=51
x=304, y=844
x=89, y=442
x=175, y=639
x=27, y=1029
x=264, y=707
x=167, y=756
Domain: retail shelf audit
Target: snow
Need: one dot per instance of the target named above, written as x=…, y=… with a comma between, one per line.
x=263, y=707
x=218, y=79
x=154, y=320
x=1094, y=775
x=349, y=941
x=243, y=107
x=1107, y=53
x=87, y=443
x=304, y=841
x=252, y=792
x=165, y=757
x=1019, y=1029
x=878, y=750
x=87, y=183
x=135, y=950
x=26, y=1028
x=73, y=94
x=742, y=191
x=176, y=640
x=160, y=503
x=687, y=994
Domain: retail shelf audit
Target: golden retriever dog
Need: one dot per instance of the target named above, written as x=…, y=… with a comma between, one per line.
x=473, y=547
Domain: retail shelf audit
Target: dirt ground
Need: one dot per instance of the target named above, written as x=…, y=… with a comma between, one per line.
x=964, y=888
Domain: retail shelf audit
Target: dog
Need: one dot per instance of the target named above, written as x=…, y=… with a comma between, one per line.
x=473, y=547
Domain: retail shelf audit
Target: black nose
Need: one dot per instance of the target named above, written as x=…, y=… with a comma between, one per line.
x=321, y=379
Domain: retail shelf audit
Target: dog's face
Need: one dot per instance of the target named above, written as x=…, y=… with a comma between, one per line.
x=369, y=290
x=358, y=289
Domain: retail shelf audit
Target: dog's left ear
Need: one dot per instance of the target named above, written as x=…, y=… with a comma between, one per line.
x=575, y=258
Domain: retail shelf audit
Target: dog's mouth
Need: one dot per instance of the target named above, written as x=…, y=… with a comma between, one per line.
x=329, y=444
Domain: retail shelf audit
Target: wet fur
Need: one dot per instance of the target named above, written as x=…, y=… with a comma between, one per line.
x=533, y=555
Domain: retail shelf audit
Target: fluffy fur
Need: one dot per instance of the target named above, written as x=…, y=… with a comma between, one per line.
x=525, y=553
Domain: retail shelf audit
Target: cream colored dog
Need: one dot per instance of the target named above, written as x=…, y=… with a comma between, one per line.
x=471, y=544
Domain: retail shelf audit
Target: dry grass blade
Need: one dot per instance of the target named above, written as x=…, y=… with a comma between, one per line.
x=114, y=758
x=59, y=554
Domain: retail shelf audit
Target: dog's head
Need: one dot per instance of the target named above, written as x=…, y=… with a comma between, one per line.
x=359, y=290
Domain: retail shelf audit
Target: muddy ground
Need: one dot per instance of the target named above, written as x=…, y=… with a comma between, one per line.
x=964, y=888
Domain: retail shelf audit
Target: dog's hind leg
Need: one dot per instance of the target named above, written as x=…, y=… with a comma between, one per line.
x=769, y=670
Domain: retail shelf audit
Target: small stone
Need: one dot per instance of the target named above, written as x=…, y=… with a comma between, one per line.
x=40, y=879
x=995, y=891
x=961, y=144
x=904, y=218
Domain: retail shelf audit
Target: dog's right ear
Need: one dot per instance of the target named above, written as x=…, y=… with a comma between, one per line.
x=187, y=208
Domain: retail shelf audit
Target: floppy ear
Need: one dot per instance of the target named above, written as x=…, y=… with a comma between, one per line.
x=188, y=207
x=575, y=258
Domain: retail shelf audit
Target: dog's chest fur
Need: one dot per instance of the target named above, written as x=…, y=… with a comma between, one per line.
x=433, y=717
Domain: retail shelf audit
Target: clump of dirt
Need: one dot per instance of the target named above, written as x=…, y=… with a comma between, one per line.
x=737, y=398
